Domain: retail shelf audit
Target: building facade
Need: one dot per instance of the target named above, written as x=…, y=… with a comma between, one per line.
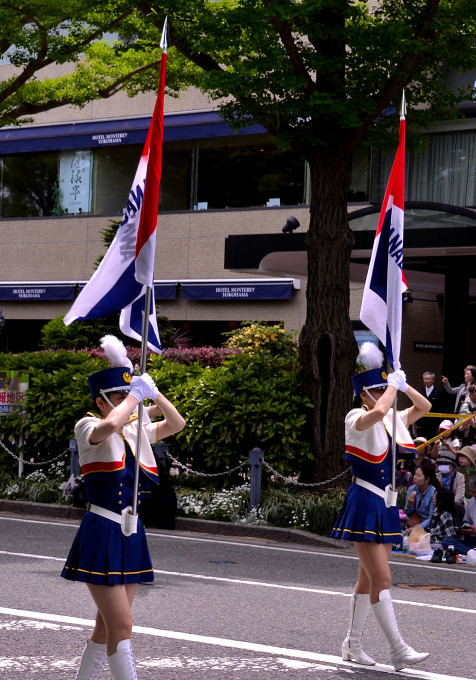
x=66, y=178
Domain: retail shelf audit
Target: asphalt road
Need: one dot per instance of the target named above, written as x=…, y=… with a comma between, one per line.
x=219, y=607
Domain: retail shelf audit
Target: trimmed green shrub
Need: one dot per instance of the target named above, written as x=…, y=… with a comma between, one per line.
x=255, y=337
x=57, y=397
x=249, y=401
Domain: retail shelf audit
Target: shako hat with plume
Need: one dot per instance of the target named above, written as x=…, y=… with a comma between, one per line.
x=370, y=372
x=115, y=379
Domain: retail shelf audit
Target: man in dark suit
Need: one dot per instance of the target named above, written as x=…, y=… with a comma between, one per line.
x=428, y=427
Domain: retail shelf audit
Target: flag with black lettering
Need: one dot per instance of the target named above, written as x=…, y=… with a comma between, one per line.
x=120, y=281
x=381, y=309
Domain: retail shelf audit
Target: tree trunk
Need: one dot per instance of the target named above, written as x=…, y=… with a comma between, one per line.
x=327, y=346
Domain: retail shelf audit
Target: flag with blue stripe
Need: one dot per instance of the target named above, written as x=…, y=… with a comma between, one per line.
x=381, y=309
x=127, y=269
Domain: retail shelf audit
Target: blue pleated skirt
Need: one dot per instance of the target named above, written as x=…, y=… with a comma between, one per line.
x=102, y=555
x=364, y=517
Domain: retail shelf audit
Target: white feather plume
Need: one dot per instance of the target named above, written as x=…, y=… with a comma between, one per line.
x=370, y=356
x=115, y=351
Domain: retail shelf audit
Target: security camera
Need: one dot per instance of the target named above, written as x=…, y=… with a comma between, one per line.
x=291, y=224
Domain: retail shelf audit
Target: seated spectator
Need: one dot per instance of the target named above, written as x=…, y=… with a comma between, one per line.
x=447, y=442
x=403, y=477
x=452, y=480
x=467, y=465
x=419, y=504
x=443, y=532
x=467, y=539
x=423, y=454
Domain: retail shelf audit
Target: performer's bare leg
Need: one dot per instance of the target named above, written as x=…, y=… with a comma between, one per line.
x=374, y=569
x=375, y=578
x=114, y=613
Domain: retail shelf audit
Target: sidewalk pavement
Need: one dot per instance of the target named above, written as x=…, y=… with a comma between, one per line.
x=201, y=526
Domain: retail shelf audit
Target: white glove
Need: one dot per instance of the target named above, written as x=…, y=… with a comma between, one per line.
x=143, y=387
x=398, y=379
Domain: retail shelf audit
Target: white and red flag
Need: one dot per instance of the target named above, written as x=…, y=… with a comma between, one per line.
x=127, y=270
x=381, y=309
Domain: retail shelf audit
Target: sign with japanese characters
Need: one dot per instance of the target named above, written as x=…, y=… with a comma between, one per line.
x=13, y=385
x=75, y=181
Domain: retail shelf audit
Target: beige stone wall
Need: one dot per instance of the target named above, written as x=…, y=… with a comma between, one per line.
x=190, y=245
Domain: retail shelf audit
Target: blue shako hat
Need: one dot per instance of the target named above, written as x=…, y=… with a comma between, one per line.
x=117, y=379
x=370, y=373
x=374, y=378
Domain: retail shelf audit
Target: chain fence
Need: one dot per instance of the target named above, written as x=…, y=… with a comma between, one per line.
x=195, y=473
x=274, y=472
x=31, y=462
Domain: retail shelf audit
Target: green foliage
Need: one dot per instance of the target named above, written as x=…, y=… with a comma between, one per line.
x=249, y=401
x=306, y=510
x=256, y=336
x=302, y=510
x=40, y=486
x=80, y=334
x=108, y=46
x=57, y=397
x=222, y=506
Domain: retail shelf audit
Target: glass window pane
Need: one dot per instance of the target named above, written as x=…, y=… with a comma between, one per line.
x=29, y=185
x=114, y=171
x=241, y=172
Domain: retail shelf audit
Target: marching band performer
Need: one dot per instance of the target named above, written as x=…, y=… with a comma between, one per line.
x=370, y=516
x=105, y=555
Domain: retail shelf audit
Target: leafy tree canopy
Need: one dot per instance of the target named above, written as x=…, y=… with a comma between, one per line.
x=322, y=72
x=104, y=46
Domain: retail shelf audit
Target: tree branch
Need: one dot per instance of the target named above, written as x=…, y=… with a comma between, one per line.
x=404, y=71
x=204, y=61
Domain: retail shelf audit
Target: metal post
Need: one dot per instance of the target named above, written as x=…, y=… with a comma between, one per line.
x=73, y=449
x=256, y=458
x=21, y=458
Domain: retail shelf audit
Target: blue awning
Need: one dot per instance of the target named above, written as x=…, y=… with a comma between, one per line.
x=26, y=292
x=237, y=289
x=114, y=132
x=67, y=290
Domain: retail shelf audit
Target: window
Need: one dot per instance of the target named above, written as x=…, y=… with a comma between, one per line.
x=29, y=185
x=444, y=173
x=240, y=171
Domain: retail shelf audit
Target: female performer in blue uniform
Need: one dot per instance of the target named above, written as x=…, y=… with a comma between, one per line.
x=368, y=518
x=109, y=561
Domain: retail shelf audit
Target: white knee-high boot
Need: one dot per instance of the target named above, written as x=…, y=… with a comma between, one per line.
x=122, y=662
x=401, y=655
x=352, y=645
x=93, y=659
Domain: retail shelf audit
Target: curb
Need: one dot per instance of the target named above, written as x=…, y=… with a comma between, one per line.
x=199, y=526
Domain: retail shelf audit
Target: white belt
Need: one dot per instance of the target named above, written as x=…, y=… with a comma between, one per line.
x=126, y=519
x=108, y=514
x=388, y=494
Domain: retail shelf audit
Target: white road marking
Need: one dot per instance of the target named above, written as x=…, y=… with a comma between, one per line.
x=259, y=584
x=259, y=546
x=287, y=653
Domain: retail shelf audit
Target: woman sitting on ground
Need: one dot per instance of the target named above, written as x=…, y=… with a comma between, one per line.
x=442, y=527
x=419, y=504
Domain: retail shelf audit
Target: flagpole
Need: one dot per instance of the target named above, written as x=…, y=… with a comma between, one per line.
x=140, y=414
x=403, y=111
x=145, y=322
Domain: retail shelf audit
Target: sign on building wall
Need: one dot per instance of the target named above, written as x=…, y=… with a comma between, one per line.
x=236, y=291
x=13, y=385
x=75, y=181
